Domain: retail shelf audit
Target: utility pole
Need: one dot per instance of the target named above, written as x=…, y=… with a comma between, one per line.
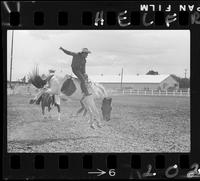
x=185, y=73
x=121, y=78
x=11, y=59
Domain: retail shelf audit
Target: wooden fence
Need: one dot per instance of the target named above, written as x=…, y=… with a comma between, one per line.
x=30, y=90
x=22, y=90
x=150, y=92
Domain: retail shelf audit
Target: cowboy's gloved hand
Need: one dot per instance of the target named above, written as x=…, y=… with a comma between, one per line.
x=61, y=48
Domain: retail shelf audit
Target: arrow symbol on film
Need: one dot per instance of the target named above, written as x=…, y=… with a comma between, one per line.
x=100, y=172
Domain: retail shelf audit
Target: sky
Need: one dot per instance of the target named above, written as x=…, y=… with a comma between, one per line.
x=136, y=51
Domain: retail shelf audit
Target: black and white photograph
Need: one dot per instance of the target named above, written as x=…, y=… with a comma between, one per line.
x=98, y=91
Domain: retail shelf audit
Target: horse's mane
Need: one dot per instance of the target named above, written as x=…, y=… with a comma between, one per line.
x=99, y=90
x=35, y=78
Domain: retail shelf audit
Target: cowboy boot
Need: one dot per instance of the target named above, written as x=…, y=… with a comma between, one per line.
x=85, y=90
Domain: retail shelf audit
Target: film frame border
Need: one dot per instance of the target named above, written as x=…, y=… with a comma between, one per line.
x=126, y=165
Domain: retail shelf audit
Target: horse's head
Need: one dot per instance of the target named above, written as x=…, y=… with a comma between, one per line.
x=106, y=108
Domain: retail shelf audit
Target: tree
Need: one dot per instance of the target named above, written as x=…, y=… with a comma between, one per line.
x=151, y=72
x=183, y=82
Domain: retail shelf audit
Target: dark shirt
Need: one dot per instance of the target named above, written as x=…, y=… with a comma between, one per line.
x=78, y=61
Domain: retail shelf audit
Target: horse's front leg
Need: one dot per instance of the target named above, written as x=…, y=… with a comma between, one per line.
x=98, y=120
x=97, y=116
x=95, y=113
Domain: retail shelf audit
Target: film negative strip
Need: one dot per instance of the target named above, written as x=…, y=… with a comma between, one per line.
x=101, y=89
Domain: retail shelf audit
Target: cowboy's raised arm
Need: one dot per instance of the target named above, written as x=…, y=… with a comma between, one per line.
x=67, y=52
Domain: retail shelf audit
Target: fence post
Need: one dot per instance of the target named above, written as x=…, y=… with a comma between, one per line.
x=188, y=92
x=152, y=92
x=166, y=93
x=130, y=91
x=145, y=92
x=181, y=93
x=137, y=92
x=174, y=93
x=159, y=92
x=123, y=91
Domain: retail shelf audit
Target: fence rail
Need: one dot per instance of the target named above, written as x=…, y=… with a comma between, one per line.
x=149, y=92
x=31, y=90
x=22, y=89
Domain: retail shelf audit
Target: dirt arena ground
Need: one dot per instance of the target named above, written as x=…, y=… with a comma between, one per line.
x=138, y=124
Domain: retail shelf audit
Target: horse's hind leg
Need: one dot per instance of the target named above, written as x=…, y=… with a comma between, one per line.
x=43, y=111
x=85, y=112
x=49, y=108
x=82, y=108
x=58, y=107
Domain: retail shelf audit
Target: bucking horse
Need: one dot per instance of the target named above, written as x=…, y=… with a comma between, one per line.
x=69, y=87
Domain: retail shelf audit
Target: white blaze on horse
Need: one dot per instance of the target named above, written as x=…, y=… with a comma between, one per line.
x=70, y=87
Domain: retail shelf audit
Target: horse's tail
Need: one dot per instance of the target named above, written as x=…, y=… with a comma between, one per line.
x=35, y=79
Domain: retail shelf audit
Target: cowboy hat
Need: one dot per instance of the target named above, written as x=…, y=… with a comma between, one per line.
x=85, y=50
x=52, y=71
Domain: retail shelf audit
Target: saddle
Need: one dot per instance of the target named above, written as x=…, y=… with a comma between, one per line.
x=87, y=81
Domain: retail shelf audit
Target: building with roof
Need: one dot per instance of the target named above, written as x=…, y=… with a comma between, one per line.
x=137, y=82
